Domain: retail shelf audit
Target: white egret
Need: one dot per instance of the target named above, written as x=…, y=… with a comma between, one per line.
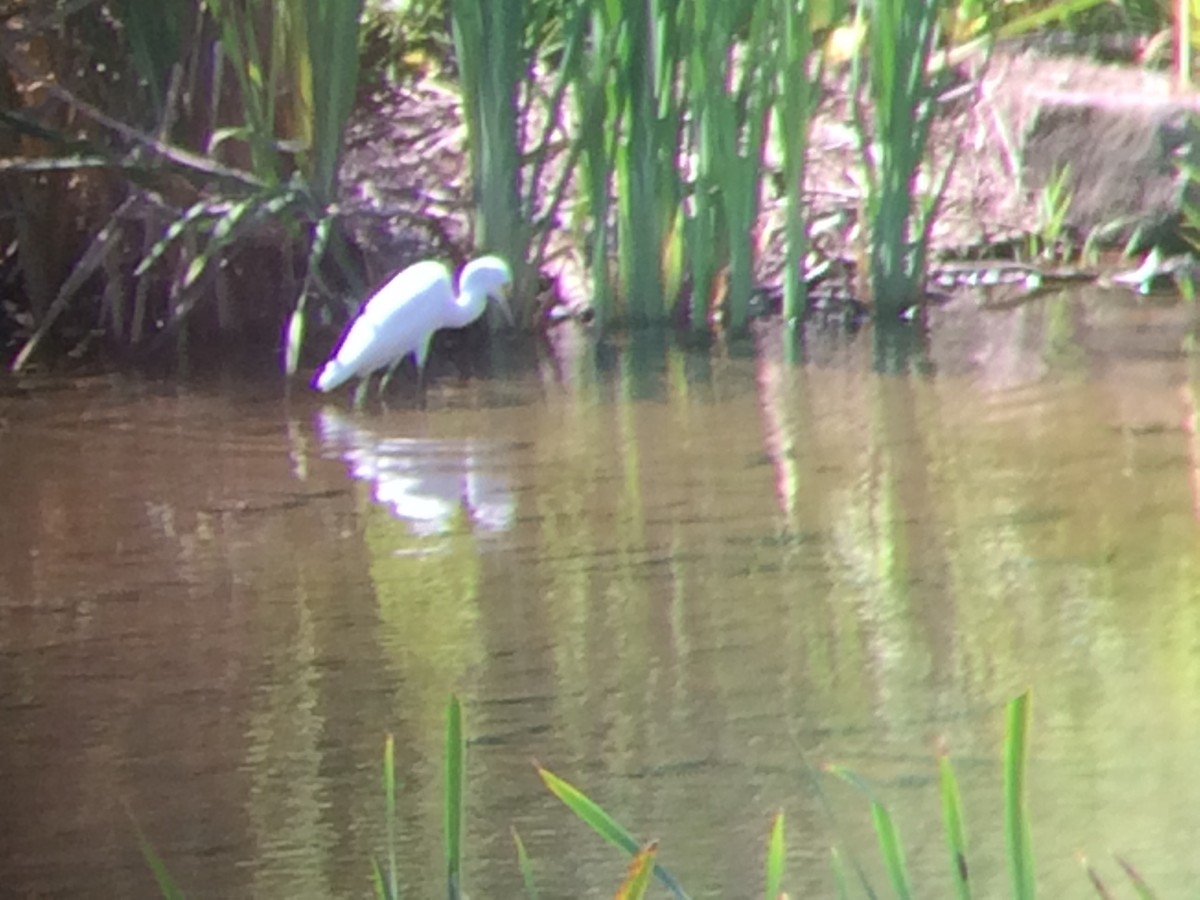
x=401, y=317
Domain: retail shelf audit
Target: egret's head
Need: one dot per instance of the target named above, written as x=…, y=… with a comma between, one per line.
x=490, y=277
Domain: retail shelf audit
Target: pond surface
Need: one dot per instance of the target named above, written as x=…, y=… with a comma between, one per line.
x=683, y=580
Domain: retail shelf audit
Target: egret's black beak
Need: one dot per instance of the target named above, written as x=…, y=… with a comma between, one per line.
x=501, y=298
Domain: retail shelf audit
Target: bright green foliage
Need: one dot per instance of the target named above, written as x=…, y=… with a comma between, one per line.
x=902, y=94
x=730, y=88
x=667, y=106
x=488, y=40
x=797, y=94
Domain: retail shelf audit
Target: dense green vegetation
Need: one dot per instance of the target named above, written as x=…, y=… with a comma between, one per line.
x=174, y=166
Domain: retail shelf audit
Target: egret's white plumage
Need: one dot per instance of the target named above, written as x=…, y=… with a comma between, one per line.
x=402, y=316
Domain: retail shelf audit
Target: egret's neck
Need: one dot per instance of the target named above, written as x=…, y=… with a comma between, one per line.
x=467, y=308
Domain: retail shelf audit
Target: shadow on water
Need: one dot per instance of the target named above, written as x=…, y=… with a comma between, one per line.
x=667, y=571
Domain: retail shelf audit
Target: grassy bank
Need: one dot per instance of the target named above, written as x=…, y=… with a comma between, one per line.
x=172, y=169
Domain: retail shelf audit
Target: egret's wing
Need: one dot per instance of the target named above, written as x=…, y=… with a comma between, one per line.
x=410, y=285
x=395, y=321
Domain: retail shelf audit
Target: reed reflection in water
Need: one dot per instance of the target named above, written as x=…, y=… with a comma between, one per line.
x=673, y=576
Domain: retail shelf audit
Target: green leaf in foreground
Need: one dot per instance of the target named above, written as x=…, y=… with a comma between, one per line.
x=776, y=857
x=526, y=867
x=1016, y=816
x=840, y=883
x=166, y=884
x=594, y=816
x=386, y=885
x=952, y=819
x=889, y=846
x=885, y=833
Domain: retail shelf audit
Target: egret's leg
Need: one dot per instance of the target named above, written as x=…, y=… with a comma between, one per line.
x=421, y=392
x=360, y=392
x=388, y=373
x=419, y=357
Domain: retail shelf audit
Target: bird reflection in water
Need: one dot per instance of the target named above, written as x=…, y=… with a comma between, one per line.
x=426, y=483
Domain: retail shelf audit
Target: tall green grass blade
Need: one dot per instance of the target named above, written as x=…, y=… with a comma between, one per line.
x=751, y=102
x=166, y=884
x=841, y=885
x=953, y=823
x=796, y=96
x=592, y=814
x=891, y=850
x=322, y=232
x=386, y=883
x=378, y=884
x=776, y=858
x=639, y=232
x=240, y=44
x=902, y=35
x=488, y=37
x=526, y=867
x=596, y=818
x=885, y=833
x=155, y=35
x=389, y=789
x=332, y=38
x=1016, y=817
x=453, y=813
x=597, y=120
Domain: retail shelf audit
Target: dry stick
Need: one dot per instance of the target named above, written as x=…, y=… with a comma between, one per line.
x=91, y=260
x=16, y=61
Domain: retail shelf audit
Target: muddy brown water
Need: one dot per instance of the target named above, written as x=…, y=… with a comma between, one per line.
x=677, y=578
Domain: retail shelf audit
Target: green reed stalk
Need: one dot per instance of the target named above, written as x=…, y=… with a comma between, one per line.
x=886, y=835
x=902, y=100
x=639, y=227
x=796, y=97
x=730, y=92
x=243, y=45
x=387, y=883
x=594, y=96
x=162, y=876
x=155, y=34
x=954, y=827
x=488, y=39
x=705, y=221
x=332, y=62
x=746, y=111
x=526, y=867
x=625, y=89
x=1016, y=814
x=453, y=814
